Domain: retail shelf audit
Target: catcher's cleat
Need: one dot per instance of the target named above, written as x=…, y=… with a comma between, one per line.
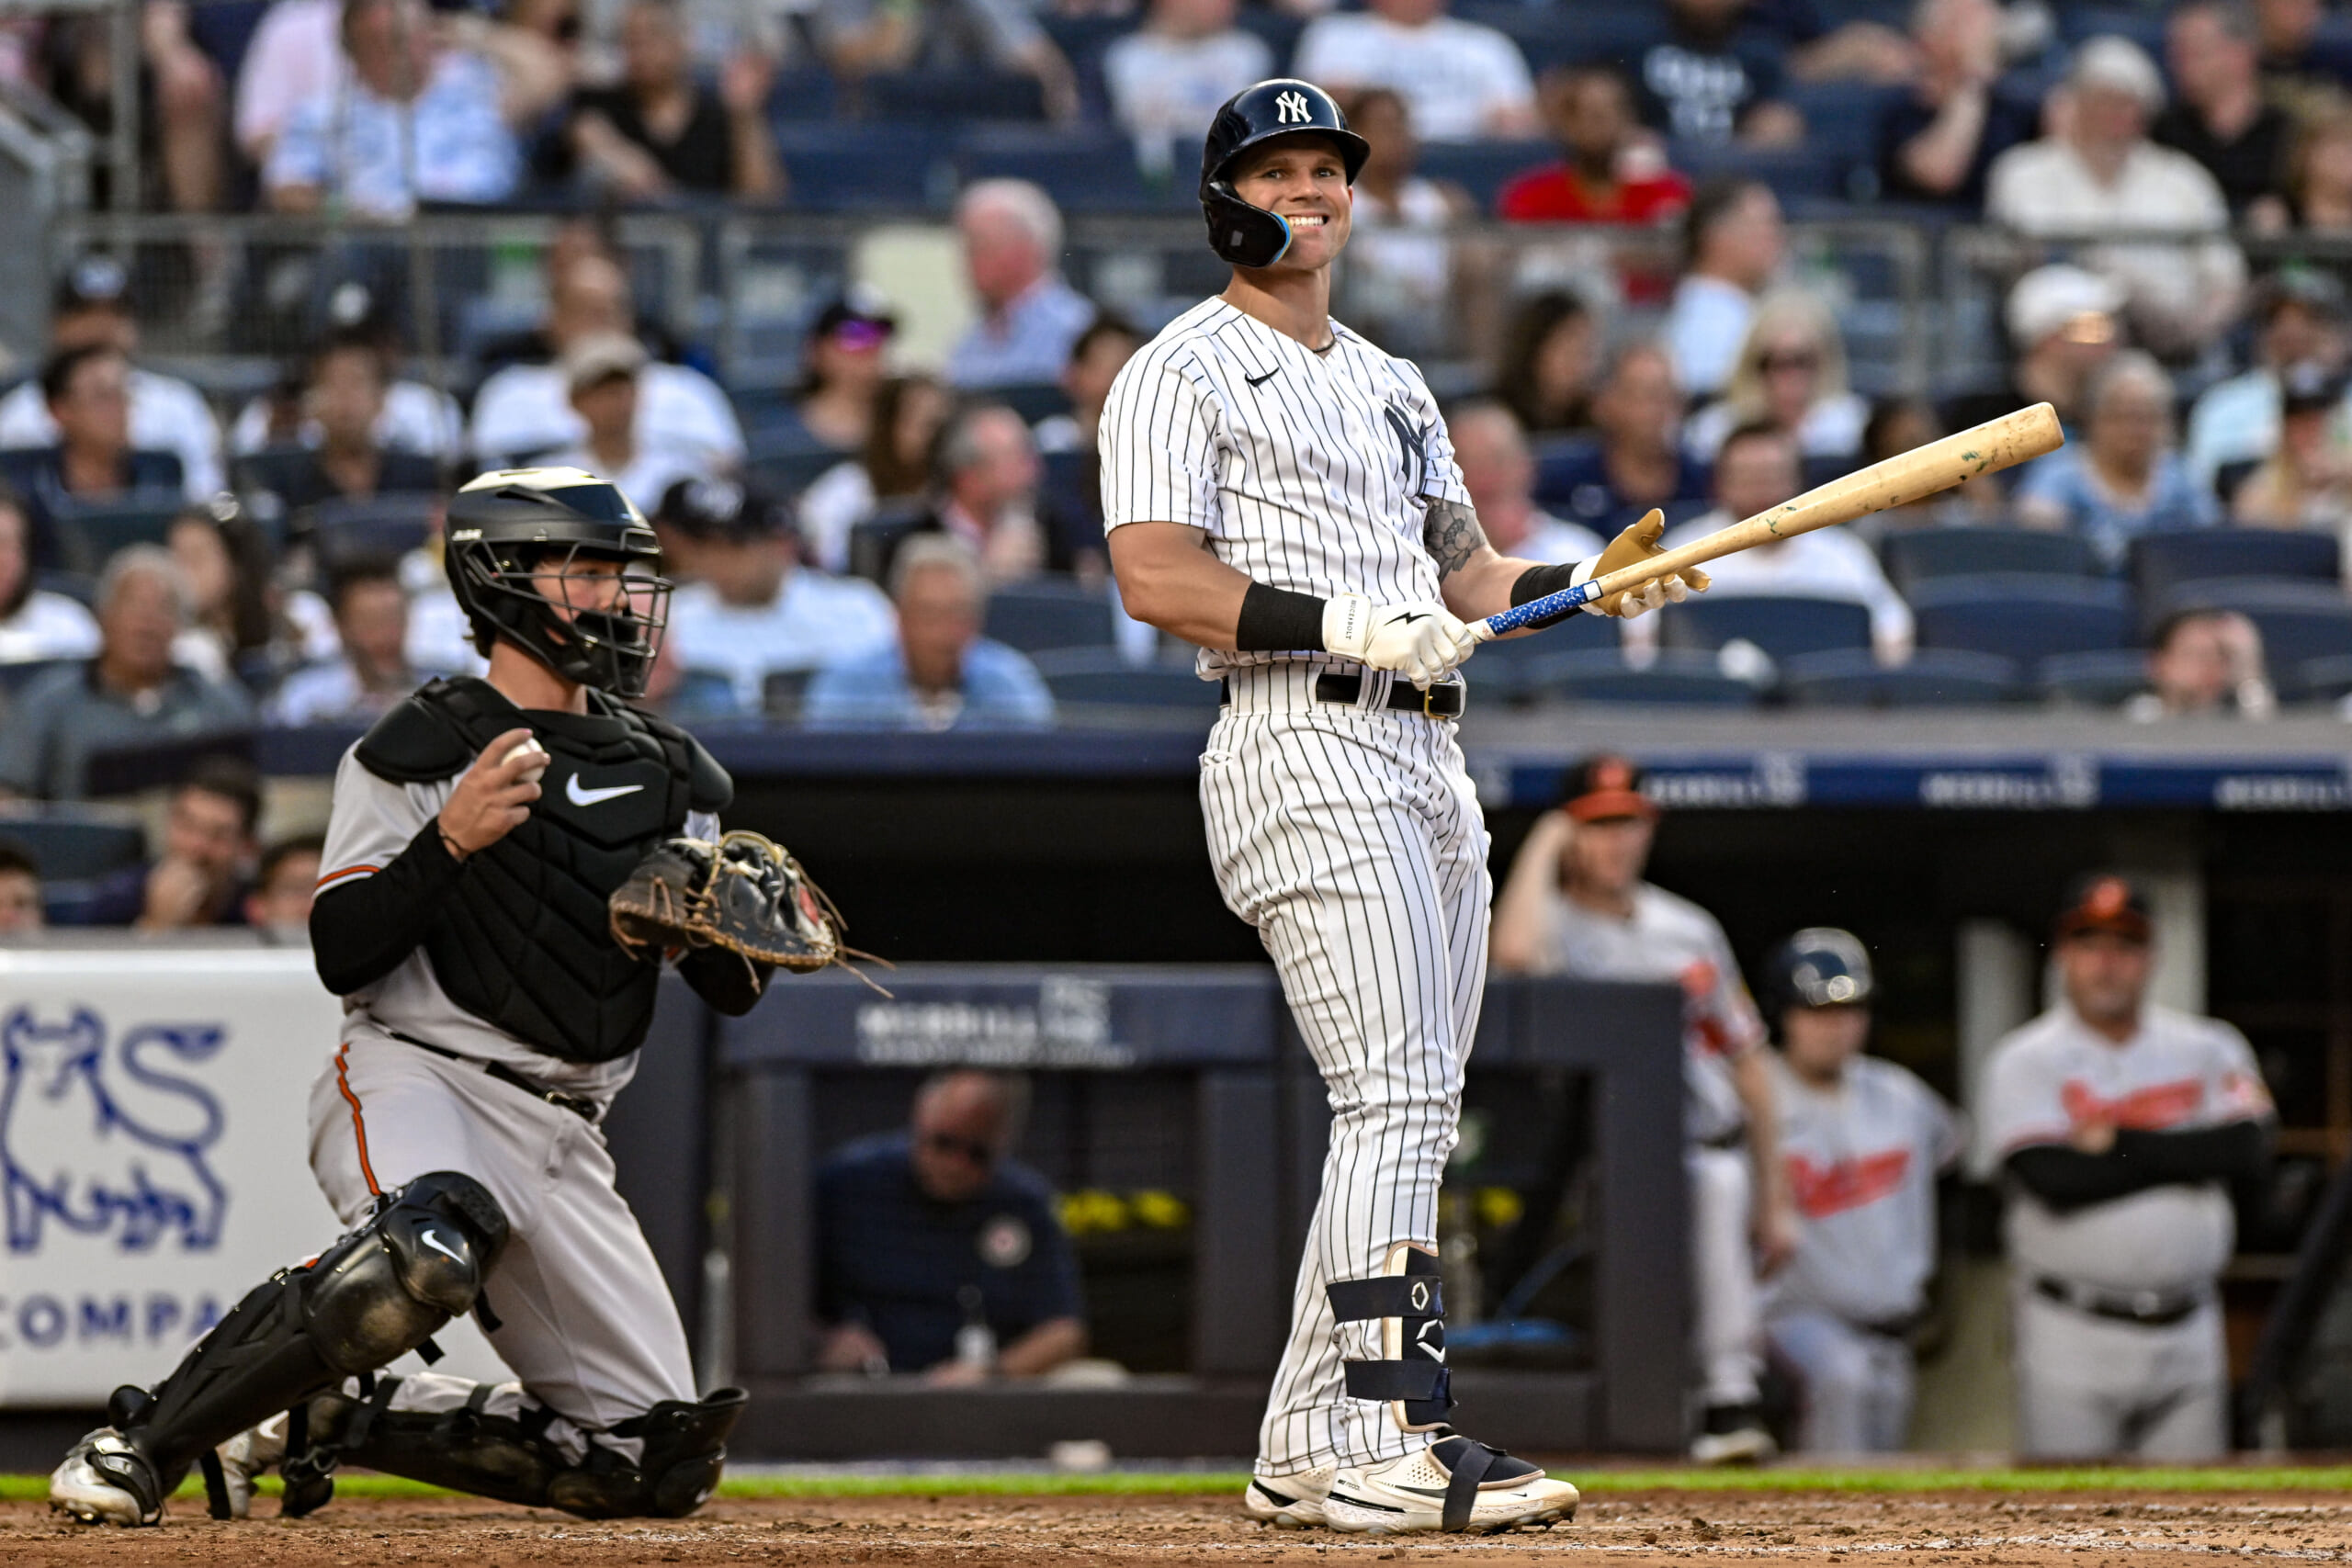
x=1455, y=1484
x=105, y=1480
x=1733, y=1434
x=1288, y=1502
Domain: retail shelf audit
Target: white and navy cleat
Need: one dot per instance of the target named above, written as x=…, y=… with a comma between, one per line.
x=104, y=1481
x=1456, y=1485
x=1290, y=1501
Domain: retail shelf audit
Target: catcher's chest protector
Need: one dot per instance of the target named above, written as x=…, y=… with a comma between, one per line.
x=524, y=944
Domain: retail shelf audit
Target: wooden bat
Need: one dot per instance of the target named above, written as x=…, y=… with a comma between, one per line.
x=1899, y=480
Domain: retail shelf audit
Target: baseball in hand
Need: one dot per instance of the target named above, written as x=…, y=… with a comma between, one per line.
x=530, y=748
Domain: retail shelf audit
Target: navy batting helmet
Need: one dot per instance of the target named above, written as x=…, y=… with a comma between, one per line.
x=1252, y=236
x=1819, y=967
x=514, y=538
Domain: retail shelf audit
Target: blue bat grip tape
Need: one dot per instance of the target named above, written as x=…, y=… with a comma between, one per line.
x=1551, y=604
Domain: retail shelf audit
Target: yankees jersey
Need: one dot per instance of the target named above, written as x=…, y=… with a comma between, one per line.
x=1673, y=938
x=370, y=822
x=1862, y=1159
x=2178, y=1072
x=1307, y=472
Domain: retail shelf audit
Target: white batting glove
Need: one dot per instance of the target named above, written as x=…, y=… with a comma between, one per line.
x=1424, y=642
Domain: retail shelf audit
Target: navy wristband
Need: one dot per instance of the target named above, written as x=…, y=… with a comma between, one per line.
x=1276, y=620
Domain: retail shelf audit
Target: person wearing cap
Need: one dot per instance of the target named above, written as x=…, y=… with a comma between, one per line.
x=2121, y=1125
x=2300, y=313
x=2306, y=482
x=658, y=132
x=92, y=310
x=842, y=367
x=754, y=609
x=2102, y=174
x=2121, y=478
x=2064, y=324
x=601, y=371
x=1863, y=1141
x=1575, y=903
x=2204, y=663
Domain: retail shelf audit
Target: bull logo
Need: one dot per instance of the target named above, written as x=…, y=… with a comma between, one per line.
x=91, y=1139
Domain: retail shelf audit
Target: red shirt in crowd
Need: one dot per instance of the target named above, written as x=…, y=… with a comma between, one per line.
x=1557, y=194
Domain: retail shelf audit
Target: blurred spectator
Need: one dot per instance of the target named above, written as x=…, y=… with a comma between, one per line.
x=985, y=476
x=2121, y=1127
x=1575, y=903
x=2103, y=174
x=88, y=395
x=2123, y=479
x=199, y=879
x=1551, y=352
x=754, y=611
x=239, y=621
x=1709, y=83
x=1756, y=470
x=2204, y=663
x=2303, y=70
x=842, y=373
x=92, y=310
x=1499, y=474
x=1898, y=425
x=1937, y=141
x=295, y=55
x=1640, y=462
x=1095, y=360
x=1013, y=246
x=2064, y=324
x=2220, y=119
x=1168, y=78
x=370, y=672
x=1400, y=285
x=415, y=418
x=862, y=36
x=1611, y=173
x=1463, y=81
x=286, y=879
x=604, y=372
x=2317, y=185
x=405, y=121
x=1791, y=374
x=2299, y=311
x=526, y=410
x=343, y=401
x=895, y=465
x=2307, y=481
x=182, y=109
x=939, y=1253
x=35, y=623
x=657, y=131
x=1732, y=242
x=939, y=673
x=20, y=896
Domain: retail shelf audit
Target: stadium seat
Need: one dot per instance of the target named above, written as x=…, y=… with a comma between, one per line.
x=1582, y=33
x=76, y=844
x=380, y=526
x=805, y=95
x=2300, y=621
x=1032, y=401
x=1936, y=677
x=2143, y=26
x=1679, y=678
x=874, y=543
x=1781, y=626
x=782, y=691
x=88, y=534
x=2324, y=680
x=1796, y=174
x=1483, y=168
x=952, y=96
x=790, y=473
x=1100, y=676
x=1033, y=616
x=1841, y=118
x=78, y=586
x=852, y=166
x=1502, y=670
x=2022, y=615
x=1086, y=169
x=2161, y=563
x=2103, y=679
x=1916, y=555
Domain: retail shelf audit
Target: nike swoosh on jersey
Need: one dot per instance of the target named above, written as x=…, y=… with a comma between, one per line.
x=578, y=796
x=1261, y=381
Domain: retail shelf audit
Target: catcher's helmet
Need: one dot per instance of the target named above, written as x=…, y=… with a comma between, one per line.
x=1252, y=236
x=514, y=536
x=1818, y=967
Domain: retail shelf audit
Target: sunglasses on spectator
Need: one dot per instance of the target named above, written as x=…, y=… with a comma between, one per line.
x=971, y=1151
x=857, y=335
x=1789, y=359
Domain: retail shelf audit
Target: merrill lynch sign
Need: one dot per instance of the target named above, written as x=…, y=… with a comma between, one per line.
x=1069, y=1026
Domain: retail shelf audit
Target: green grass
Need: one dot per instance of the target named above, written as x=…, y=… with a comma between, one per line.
x=1597, y=1481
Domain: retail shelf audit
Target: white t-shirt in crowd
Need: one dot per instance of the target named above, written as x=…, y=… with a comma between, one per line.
x=47, y=626
x=1165, y=89
x=416, y=419
x=1828, y=563
x=1831, y=428
x=1555, y=543
x=1705, y=324
x=527, y=408
x=651, y=472
x=835, y=502
x=166, y=416
x=816, y=620
x=294, y=56
x=1458, y=79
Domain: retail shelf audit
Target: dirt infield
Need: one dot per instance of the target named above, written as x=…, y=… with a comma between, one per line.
x=2083, y=1530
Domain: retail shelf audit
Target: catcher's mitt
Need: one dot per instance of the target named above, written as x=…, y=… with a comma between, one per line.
x=744, y=893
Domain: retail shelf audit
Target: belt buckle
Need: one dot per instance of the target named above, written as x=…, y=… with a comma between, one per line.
x=2147, y=1303
x=1429, y=696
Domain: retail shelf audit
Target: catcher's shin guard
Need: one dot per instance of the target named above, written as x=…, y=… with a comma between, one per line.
x=381, y=1290
x=1405, y=1300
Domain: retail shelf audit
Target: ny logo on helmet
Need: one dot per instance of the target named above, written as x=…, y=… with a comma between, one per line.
x=1290, y=108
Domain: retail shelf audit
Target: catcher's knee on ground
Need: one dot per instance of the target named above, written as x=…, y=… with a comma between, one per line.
x=379, y=1291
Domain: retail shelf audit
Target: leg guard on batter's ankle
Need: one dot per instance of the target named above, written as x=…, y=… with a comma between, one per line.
x=381, y=1290
x=1405, y=1300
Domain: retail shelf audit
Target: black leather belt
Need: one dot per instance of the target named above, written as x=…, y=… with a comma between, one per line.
x=578, y=1105
x=2149, y=1309
x=1444, y=699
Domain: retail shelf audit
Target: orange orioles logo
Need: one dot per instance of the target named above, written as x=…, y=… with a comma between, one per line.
x=2148, y=1110
x=1821, y=1191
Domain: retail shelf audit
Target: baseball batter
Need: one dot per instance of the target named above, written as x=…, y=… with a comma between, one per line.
x=2120, y=1124
x=1862, y=1139
x=489, y=1017
x=1284, y=494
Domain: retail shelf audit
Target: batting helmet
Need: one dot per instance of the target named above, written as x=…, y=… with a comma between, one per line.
x=1252, y=236
x=1819, y=967
x=515, y=532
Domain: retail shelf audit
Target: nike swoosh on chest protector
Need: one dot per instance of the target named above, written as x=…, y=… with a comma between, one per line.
x=578, y=796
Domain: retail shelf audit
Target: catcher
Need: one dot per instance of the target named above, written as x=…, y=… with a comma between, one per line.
x=508, y=862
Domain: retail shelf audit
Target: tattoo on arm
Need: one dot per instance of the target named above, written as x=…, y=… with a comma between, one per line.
x=1450, y=532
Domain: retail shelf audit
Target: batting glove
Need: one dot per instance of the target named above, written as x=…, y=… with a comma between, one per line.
x=1423, y=642
x=1635, y=544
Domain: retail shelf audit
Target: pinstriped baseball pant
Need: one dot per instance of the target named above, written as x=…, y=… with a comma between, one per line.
x=1352, y=839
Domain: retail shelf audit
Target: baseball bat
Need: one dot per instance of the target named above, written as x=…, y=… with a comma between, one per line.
x=1899, y=480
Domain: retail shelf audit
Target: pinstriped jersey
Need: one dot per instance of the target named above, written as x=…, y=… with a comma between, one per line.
x=1306, y=470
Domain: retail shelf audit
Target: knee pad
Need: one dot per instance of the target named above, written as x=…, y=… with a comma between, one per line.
x=1406, y=1301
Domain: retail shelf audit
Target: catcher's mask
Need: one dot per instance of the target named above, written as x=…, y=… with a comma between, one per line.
x=558, y=563
x=1239, y=231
